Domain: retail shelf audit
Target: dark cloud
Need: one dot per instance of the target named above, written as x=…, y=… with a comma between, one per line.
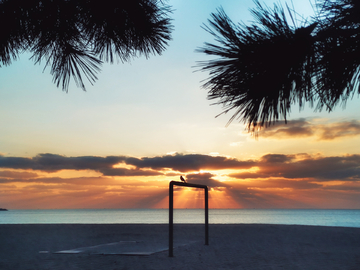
x=8, y=180
x=190, y=162
x=52, y=162
x=292, y=129
x=352, y=187
x=298, y=166
x=344, y=168
x=276, y=158
x=303, y=128
x=178, y=162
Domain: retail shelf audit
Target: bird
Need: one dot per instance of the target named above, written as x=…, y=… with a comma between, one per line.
x=182, y=179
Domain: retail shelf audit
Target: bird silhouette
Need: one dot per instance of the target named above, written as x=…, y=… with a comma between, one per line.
x=182, y=179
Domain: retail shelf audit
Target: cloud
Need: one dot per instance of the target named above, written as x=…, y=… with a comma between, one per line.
x=189, y=162
x=291, y=129
x=52, y=162
x=338, y=130
x=297, y=166
x=178, y=162
x=302, y=128
x=15, y=174
x=276, y=158
x=273, y=180
x=204, y=179
x=342, y=168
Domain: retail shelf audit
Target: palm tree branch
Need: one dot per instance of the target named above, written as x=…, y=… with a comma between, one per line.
x=243, y=77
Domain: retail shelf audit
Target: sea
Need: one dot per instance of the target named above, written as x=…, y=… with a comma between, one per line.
x=315, y=217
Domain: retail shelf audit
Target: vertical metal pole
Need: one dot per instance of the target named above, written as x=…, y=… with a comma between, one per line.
x=171, y=210
x=206, y=217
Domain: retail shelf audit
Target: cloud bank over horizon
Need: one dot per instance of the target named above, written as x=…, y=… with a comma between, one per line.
x=302, y=165
x=270, y=181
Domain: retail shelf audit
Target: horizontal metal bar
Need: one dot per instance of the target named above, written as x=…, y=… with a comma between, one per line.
x=177, y=183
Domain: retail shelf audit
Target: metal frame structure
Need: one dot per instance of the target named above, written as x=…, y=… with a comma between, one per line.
x=171, y=212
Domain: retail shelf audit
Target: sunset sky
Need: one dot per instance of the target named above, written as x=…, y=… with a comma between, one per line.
x=147, y=122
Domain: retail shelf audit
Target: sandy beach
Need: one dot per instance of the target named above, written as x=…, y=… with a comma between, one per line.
x=230, y=247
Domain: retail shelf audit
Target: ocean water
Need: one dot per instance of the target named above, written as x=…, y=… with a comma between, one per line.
x=342, y=218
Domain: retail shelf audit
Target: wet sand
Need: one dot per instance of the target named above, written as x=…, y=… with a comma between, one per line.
x=243, y=246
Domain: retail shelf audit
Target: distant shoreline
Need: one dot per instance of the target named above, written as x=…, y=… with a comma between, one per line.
x=3, y=209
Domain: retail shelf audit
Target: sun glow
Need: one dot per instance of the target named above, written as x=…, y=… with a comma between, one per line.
x=123, y=165
x=189, y=198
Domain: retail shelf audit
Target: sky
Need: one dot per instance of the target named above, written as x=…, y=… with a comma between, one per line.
x=145, y=123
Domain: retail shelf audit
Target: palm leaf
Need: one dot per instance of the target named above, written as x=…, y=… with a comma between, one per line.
x=124, y=29
x=12, y=37
x=338, y=52
x=261, y=69
x=74, y=36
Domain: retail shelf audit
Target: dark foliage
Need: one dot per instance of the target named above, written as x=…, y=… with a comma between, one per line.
x=73, y=37
x=263, y=68
x=338, y=52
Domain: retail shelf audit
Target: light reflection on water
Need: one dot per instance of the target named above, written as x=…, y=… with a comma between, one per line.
x=344, y=218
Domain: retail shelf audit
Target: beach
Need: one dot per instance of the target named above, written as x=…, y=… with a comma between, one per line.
x=231, y=246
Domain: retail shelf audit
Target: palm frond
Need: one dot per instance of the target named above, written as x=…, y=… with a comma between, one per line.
x=262, y=69
x=125, y=29
x=338, y=52
x=12, y=37
x=58, y=39
x=69, y=61
x=74, y=36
